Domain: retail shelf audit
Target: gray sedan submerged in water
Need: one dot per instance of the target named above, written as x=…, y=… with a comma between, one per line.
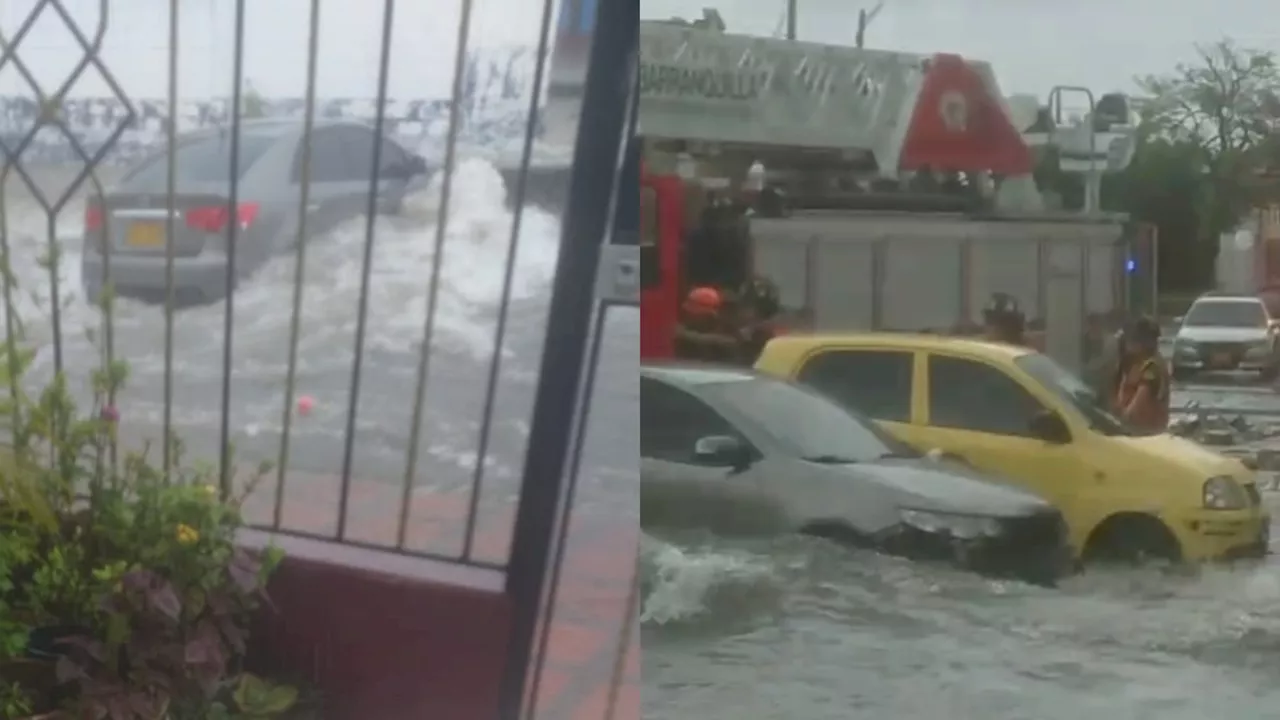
x=739, y=453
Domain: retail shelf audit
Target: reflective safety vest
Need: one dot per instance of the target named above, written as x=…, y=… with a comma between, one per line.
x=1152, y=373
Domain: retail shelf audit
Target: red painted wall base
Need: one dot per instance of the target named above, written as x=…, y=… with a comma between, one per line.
x=382, y=635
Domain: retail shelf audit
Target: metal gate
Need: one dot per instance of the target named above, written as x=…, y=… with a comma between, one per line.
x=328, y=405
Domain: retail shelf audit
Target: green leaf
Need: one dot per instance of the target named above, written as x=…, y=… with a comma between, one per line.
x=257, y=697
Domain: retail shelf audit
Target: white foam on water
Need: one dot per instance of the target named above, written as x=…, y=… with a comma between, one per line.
x=680, y=582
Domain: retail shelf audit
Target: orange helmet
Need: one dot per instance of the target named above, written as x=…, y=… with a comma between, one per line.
x=702, y=301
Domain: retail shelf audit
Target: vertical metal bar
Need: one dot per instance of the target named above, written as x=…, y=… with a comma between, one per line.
x=561, y=521
x=233, y=228
x=626, y=222
x=1042, y=281
x=170, y=229
x=508, y=276
x=11, y=323
x=371, y=217
x=628, y=634
x=300, y=263
x=437, y=262
x=878, y=250
x=1085, y=248
x=611, y=73
x=1153, y=242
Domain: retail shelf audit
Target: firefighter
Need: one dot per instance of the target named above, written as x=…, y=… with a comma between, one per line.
x=759, y=304
x=1142, y=397
x=702, y=333
x=1003, y=320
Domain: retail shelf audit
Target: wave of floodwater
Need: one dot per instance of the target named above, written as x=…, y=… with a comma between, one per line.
x=474, y=254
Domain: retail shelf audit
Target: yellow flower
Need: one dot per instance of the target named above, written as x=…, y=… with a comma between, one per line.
x=187, y=534
x=210, y=490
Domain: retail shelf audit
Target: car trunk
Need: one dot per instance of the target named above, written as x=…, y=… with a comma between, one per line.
x=136, y=223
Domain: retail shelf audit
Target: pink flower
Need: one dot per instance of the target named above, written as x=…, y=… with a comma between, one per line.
x=110, y=413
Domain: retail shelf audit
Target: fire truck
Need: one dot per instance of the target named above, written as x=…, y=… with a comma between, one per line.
x=878, y=189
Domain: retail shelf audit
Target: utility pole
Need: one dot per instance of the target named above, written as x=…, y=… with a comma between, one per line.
x=791, y=19
x=864, y=19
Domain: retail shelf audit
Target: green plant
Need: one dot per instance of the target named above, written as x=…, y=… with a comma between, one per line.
x=145, y=577
x=15, y=702
x=254, y=698
x=175, y=599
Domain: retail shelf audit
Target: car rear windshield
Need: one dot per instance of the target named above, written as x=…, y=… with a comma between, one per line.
x=1226, y=313
x=206, y=160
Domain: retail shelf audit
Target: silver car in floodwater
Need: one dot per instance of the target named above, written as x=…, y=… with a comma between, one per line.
x=131, y=219
x=727, y=450
x=1226, y=333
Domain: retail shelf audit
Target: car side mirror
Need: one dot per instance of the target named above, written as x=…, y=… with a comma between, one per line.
x=722, y=451
x=1050, y=427
x=1178, y=320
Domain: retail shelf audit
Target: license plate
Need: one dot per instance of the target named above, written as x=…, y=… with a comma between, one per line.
x=145, y=235
x=1222, y=360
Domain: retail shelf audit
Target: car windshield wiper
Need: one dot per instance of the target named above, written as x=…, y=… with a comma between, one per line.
x=831, y=459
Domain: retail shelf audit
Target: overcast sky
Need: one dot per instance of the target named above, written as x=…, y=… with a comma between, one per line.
x=136, y=46
x=1033, y=44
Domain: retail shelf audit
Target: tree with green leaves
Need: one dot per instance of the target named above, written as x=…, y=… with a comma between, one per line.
x=1221, y=112
x=251, y=103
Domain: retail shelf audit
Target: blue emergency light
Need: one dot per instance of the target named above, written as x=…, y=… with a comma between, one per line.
x=1130, y=265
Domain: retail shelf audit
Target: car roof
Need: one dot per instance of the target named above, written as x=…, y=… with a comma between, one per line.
x=693, y=374
x=801, y=343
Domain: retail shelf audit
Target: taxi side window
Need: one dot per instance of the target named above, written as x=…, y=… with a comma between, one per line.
x=876, y=383
x=968, y=395
x=650, y=273
x=672, y=421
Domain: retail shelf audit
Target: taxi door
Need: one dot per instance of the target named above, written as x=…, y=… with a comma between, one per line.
x=874, y=381
x=979, y=414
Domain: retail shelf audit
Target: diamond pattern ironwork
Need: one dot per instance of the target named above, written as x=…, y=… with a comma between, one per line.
x=50, y=114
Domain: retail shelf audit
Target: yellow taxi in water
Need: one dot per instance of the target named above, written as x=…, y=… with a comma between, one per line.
x=1017, y=414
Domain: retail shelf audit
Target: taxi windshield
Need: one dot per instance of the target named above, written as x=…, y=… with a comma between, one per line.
x=1073, y=391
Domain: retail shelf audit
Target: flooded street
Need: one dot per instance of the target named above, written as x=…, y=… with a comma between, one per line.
x=801, y=628
x=462, y=346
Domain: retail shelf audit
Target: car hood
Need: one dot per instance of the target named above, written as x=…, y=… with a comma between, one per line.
x=1165, y=449
x=1221, y=334
x=943, y=486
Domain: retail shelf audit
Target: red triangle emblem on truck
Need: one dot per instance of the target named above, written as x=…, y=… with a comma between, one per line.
x=958, y=125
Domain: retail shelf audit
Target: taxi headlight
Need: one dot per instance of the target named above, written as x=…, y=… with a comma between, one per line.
x=1224, y=493
x=965, y=527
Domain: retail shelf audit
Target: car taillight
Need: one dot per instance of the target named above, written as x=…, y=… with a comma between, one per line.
x=92, y=217
x=213, y=218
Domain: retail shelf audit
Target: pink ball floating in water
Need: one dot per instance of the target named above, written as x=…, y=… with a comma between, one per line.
x=305, y=404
